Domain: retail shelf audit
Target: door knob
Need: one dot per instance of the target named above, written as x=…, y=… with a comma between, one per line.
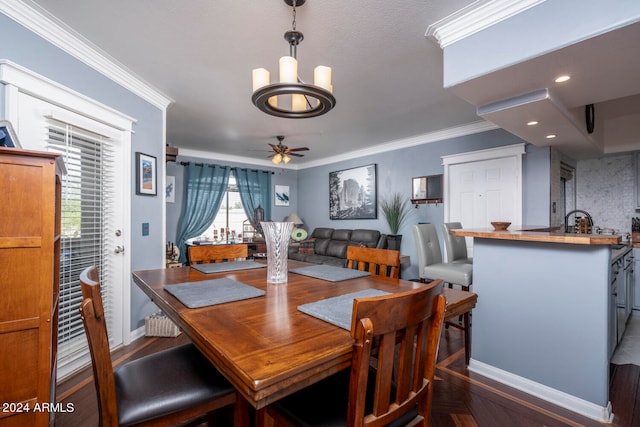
x=119, y=249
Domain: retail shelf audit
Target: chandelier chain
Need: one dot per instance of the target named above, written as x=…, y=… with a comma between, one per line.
x=293, y=24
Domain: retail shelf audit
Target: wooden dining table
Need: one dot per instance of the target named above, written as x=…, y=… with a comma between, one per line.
x=265, y=346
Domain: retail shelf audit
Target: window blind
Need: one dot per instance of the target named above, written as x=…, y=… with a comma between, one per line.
x=85, y=227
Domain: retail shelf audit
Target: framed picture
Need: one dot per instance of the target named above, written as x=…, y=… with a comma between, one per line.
x=353, y=193
x=146, y=175
x=282, y=195
x=8, y=137
x=170, y=189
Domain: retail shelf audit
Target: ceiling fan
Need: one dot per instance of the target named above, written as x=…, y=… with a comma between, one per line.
x=281, y=152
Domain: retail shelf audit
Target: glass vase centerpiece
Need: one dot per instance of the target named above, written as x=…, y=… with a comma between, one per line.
x=276, y=236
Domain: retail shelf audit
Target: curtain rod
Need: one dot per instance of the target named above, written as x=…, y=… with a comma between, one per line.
x=225, y=167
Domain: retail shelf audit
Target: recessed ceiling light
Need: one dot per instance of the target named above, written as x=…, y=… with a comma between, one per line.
x=550, y=136
x=532, y=123
x=562, y=79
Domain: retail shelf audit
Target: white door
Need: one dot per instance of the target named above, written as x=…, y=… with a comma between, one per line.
x=482, y=189
x=94, y=226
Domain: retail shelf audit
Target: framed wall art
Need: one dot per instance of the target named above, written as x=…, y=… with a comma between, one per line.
x=282, y=195
x=146, y=175
x=170, y=189
x=353, y=193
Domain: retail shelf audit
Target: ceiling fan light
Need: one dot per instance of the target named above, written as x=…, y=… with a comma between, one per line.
x=277, y=158
x=286, y=159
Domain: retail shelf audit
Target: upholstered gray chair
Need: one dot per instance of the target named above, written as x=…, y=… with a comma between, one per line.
x=455, y=246
x=430, y=259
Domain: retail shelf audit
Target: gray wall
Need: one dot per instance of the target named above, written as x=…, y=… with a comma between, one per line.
x=29, y=50
x=394, y=172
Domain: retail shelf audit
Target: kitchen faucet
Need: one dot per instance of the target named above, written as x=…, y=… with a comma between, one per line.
x=566, y=219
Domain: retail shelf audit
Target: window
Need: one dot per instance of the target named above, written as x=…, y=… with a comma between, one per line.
x=231, y=217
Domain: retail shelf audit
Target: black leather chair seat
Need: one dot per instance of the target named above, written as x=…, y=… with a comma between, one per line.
x=325, y=403
x=181, y=377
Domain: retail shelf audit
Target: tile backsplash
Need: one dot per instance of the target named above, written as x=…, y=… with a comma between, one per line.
x=606, y=189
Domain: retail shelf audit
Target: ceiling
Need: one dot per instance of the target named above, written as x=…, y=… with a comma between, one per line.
x=387, y=76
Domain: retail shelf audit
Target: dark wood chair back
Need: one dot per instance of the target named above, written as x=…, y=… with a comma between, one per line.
x=378, y=262
x=413, y=320
x=206, y=254
x=95, y=325
x=195, y=393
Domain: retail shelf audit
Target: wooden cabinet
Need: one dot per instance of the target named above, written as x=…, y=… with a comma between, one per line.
x=256, y=248
x=29, y=284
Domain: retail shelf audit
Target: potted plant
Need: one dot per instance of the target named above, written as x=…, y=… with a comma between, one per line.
x=395, y=209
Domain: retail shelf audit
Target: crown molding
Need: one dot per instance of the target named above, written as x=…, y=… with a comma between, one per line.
x=475, y=17
x=454, y=132
x=47, y=26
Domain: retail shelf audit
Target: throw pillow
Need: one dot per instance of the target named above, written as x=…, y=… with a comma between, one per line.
x=307, y=246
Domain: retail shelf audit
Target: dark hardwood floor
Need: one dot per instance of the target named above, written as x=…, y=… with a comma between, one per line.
x=461, y=398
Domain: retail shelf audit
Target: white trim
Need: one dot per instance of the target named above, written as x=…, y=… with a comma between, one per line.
x=454, y=132
x=474, y=18
x=487, y=154
x=46, y=89
x=39, y=21
x=599, y=413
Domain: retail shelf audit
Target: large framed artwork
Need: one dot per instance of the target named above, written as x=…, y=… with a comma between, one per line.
x=146, y=175
x=353, y=193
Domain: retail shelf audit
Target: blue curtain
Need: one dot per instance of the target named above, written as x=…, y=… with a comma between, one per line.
x=255, y=190
x=204, y=188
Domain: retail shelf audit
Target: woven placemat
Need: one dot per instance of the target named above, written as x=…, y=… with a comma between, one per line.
x=212, y=292
x=338, y=310
x=329, y=272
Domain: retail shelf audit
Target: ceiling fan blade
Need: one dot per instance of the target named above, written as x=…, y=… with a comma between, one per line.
x=297, y=149
x=294, y=154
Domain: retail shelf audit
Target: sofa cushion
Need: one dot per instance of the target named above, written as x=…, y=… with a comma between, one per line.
x=337, y=248
x=365, y=238
x=322, y=236
x=341, y=235
x=322, y=233
x=307, y=246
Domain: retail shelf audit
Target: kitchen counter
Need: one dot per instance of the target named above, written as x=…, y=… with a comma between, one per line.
x=533, y=234
x=544, y=318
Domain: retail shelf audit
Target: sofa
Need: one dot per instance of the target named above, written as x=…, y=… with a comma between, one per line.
x=329, y=246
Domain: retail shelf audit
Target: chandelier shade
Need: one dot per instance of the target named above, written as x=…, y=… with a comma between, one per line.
x=291, y=97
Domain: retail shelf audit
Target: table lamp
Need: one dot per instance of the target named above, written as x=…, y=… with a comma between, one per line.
x=297, y=234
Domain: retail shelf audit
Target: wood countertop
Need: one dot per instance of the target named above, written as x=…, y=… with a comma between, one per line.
x=539, y=234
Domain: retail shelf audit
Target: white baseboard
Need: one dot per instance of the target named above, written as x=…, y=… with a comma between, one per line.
x=602, y=414
x=138, y=333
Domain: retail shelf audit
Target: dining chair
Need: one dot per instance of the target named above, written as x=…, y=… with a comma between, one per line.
x=367, y=396
x=378, y=262
x=455, y=246
x=430, y=262
x=160, y=389
x=204, y=254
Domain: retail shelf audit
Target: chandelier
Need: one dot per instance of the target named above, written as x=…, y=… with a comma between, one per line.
x=291, y=97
